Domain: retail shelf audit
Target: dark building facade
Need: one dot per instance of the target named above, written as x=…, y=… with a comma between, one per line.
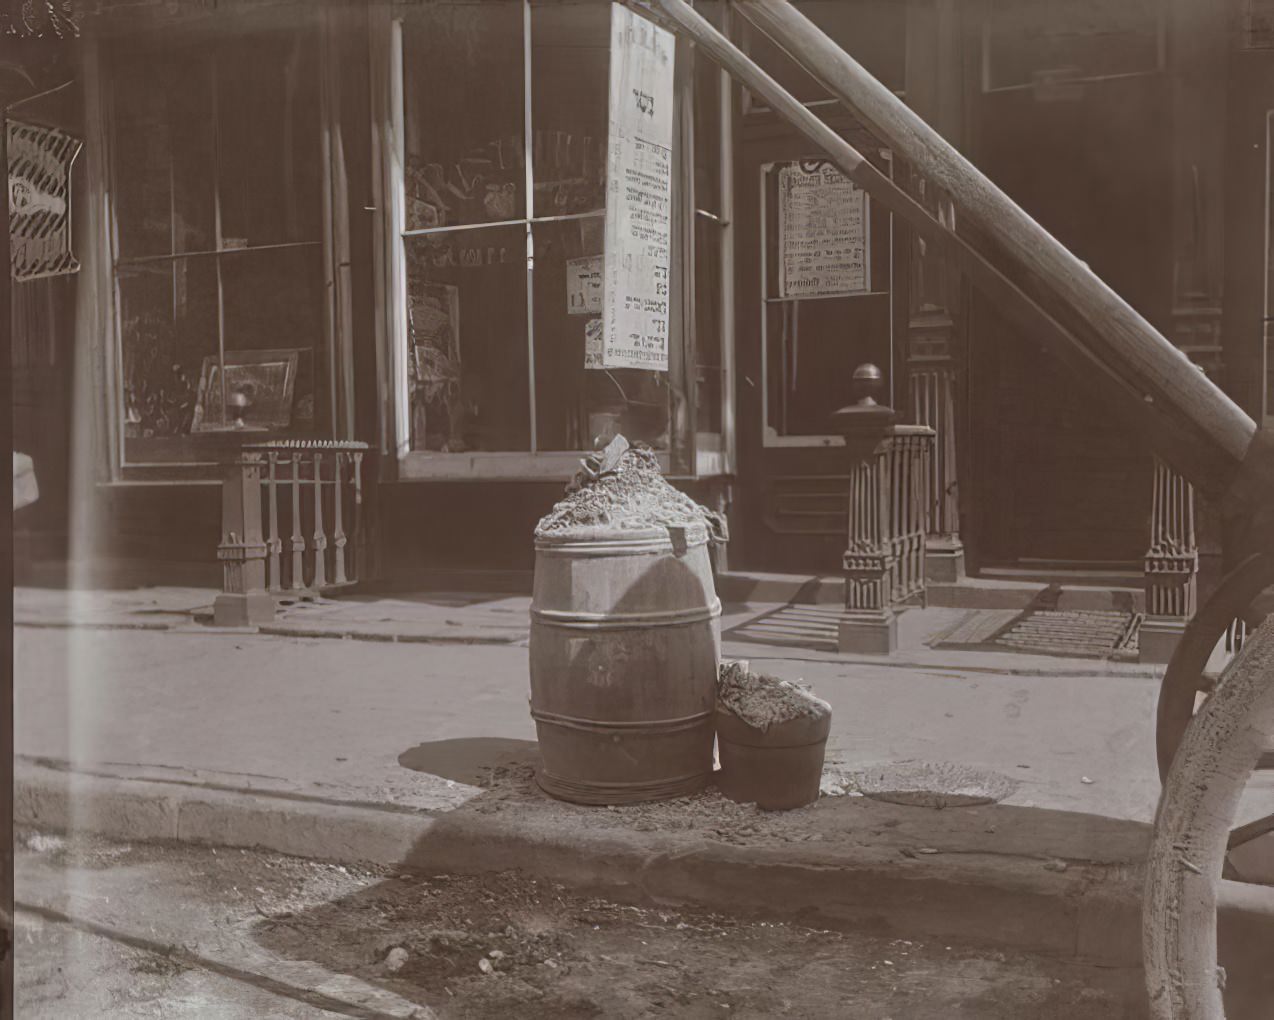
x=380, y=215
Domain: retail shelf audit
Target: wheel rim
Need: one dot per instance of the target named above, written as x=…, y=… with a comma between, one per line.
x=1232, y=600
x=1217, y=755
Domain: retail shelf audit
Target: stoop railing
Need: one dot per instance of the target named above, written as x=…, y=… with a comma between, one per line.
x=291, y=523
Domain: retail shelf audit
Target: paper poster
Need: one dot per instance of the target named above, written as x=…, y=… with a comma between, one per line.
x=593, y=344
x=823, y=232
x=40, y=201
x=584, y=285
x=638, y=194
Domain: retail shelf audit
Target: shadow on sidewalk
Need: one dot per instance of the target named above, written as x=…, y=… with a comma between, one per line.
x=465, y=759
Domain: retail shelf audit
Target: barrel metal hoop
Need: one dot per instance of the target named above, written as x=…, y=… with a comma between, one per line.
x=641, y=726
x=625, y=621
x=635, y=547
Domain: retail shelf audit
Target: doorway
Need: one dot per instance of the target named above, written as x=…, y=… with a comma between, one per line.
x=1058, y=483
x=820, y=291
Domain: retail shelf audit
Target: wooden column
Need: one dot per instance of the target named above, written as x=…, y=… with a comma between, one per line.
x=935, y=90
x=243, y=601
x=1197, y=61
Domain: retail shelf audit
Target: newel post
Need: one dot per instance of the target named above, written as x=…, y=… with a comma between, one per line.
x=873, y=555
x=243, y=601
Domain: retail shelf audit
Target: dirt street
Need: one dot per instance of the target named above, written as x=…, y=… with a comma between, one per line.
x=147, y=931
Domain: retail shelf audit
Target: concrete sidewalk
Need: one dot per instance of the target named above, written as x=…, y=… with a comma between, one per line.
x=136, y=721
x=494, y=618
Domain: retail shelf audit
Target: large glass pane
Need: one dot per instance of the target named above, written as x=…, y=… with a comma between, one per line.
x=168, y=319
x=163, y=155
x=268, y=162
x=467, y=331
x=274, y=303
x=576, y=405
x=463, y=107
x=570, y=58
x=827, y=303
x=812, y=349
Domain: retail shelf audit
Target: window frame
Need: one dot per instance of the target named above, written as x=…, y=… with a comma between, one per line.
x=1267, y=303
x=388, y=131
x=771, y=438
x=184, y=459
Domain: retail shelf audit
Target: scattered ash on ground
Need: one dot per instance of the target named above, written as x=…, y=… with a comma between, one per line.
x=508, y=945
x=708, y=814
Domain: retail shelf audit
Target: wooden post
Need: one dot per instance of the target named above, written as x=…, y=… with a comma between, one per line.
x=935, y=90
x=320, y=535
x=338, y=526
x=298, y=541
x=1197, y=79
x=274, y=575
x=243, y=601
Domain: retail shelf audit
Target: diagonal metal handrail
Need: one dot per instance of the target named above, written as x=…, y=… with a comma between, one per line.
x=1181, y=414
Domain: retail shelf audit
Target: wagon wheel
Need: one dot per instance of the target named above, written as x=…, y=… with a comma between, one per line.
x=1236, y=599
x=1218, y=753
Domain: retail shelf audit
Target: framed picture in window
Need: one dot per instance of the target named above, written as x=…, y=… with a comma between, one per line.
x=257, y=391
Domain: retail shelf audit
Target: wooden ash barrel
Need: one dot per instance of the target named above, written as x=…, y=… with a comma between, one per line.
x=625, y=642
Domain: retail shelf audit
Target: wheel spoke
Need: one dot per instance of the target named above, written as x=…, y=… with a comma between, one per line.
x=1250, y=831
x=1237, y=597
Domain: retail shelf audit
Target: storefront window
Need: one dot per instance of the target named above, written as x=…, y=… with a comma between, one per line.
x=463, y=98
x=216, y=181
x=504, y=289
x=466, y=326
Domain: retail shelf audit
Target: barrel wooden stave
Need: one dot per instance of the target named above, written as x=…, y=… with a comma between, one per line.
x=625, y=642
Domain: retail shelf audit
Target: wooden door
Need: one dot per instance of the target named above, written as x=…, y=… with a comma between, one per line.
x=1057, y=480
x=796, y=354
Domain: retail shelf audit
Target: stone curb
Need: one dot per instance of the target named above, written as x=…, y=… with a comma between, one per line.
x=1086, y=911
x=457, y=637
x=150, y=811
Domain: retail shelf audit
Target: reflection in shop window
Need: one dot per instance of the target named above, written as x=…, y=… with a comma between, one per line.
x=216, y=183
x=472, y=325
x=570, y=61
x=463, y=102
x=466, y=331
